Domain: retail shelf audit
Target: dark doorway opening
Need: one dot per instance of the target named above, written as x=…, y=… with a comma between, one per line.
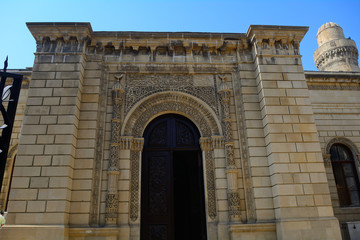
x=172, y=186
x=188, y=197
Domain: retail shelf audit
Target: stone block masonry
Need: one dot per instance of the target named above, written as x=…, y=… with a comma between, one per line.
x=285, y=108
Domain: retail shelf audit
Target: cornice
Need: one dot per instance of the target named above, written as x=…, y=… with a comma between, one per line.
x=333, y=80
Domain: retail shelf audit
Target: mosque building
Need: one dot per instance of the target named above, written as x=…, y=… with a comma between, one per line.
x=184, y=135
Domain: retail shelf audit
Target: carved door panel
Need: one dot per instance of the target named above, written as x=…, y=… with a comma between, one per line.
x=157, y=206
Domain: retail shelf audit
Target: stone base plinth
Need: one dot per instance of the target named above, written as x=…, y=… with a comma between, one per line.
x=101, y=233
x=34, y=232
x=323, y=228
x=265, y=231
x=58, y=232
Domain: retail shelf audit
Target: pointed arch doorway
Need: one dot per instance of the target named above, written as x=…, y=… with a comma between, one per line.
x=172, y=185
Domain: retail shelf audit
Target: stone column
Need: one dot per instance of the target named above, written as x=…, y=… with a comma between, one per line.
x=43, y=175
x=209, y=178
x=300, y=190
x=112, y=197
x=137, y=145
x=231, y=169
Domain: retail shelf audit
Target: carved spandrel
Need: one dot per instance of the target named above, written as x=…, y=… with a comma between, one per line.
x=152, y=110
x=138, y=86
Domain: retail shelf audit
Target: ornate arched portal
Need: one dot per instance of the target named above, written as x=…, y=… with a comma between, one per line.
x=127, y=137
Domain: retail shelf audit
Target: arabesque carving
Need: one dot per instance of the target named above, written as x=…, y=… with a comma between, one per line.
x=206, y=146
x=174, y=102
x=136, y=148
x=233, y=193
x=112, y=197
x=139, y=86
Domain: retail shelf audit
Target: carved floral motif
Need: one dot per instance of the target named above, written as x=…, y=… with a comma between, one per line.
x=171, y=102
x=139, y=86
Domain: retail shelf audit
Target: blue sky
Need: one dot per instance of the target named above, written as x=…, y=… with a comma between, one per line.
x=171, y=16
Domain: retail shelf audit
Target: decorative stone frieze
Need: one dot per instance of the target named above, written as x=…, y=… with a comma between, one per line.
x=336, y=54
x=276, y=40
x=349, y=81
x=169, y=44
x=139, y=86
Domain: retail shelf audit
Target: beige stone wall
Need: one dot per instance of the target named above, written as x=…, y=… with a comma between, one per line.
x=297, y=174
x=263, y=127
x=335, y=102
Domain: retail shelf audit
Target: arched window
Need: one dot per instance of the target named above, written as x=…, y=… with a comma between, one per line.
x=346, y=176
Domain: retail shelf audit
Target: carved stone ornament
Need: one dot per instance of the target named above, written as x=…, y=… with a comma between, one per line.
x=134, y=185
x=139, y=86
x=136, y=147
x=229, y=151
x=338, y=53
x=172, y=102
x=210, y=182
x=112, y=204
x=234, y=205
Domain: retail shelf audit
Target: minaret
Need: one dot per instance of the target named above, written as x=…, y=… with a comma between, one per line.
x=335, y=52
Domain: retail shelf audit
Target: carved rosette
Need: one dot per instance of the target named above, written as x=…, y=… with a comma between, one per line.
x=231, y=173
x=112, y=198
x=206, y=146
x=136, y=148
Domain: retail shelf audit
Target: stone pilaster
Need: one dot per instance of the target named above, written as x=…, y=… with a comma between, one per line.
x=300, y=192
x=210, y=176
x=44, y=168
x=136, y=148
x=112, y=198
x=231, y=169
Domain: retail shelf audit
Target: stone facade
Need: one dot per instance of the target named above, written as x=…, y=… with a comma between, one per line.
x=266, y=129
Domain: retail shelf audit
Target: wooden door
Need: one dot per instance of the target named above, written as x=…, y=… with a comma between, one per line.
x=172, y=190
